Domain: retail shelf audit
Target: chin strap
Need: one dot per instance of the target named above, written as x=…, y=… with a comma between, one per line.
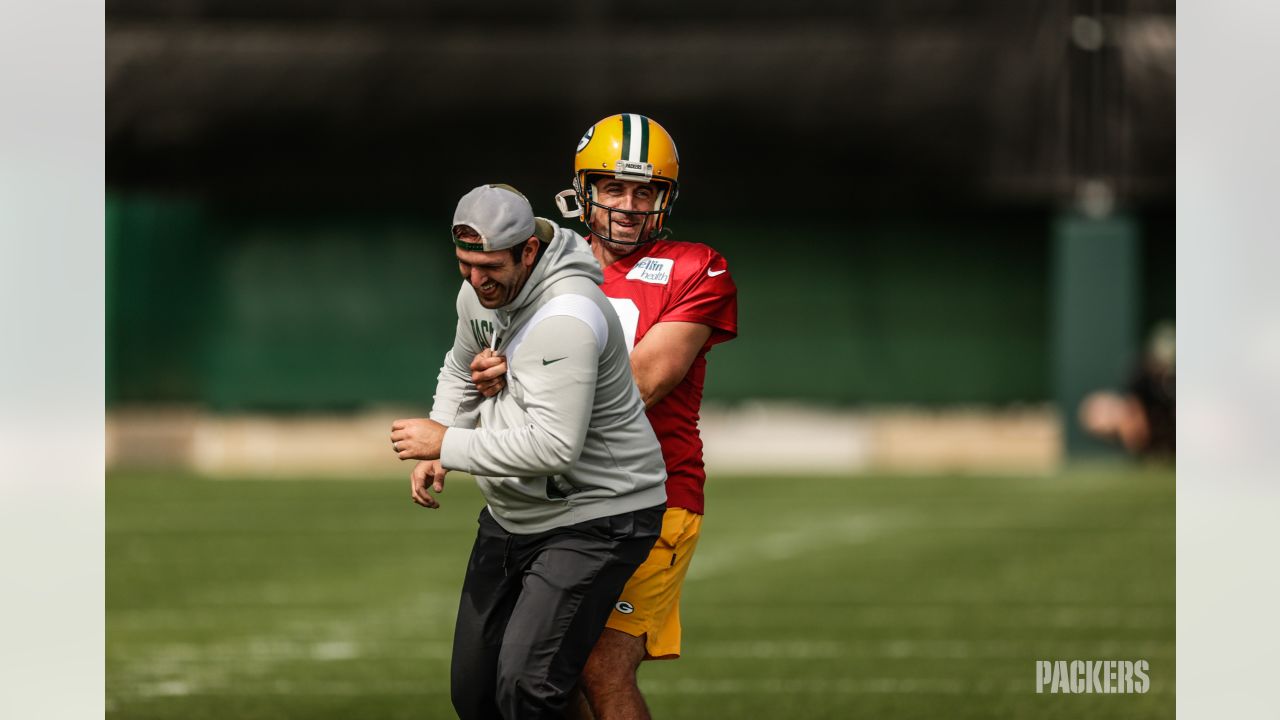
x=662, y=234
x=564, y=198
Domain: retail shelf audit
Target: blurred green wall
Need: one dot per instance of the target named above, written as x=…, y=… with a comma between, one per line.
x=304, y=309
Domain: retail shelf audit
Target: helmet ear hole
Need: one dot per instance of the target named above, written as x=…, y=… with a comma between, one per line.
x=562, y=201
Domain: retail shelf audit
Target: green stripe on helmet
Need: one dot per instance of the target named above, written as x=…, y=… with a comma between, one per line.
x=644, y=138
x=626, y=135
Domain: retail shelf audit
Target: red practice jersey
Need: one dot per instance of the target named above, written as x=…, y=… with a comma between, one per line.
x=669, y=281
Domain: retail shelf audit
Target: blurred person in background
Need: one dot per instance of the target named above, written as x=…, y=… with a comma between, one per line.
x=675, y=301
x=1142, y=418
x=570, y=469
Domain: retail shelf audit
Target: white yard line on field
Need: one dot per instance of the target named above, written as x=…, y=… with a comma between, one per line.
x=232, y=664
x=847, y=686
x=805, y=686
x=724, y=557
x=904, y=648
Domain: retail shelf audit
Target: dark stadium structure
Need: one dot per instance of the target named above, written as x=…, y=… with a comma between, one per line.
x=936, y=101
x=965, y=202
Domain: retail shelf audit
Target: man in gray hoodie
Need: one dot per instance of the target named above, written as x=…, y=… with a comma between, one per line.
x=571, y=469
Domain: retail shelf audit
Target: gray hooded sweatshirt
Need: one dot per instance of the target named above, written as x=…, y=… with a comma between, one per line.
x=567, y=440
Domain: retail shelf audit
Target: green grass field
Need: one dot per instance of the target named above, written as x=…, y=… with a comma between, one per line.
x=887, y=597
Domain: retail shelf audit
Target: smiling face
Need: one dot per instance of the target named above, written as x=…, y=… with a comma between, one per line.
x=621, y=215
x=497, y=276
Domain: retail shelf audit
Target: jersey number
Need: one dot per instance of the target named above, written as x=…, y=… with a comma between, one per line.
x=629, y=316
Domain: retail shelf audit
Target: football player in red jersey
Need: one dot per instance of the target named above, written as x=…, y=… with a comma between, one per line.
x=675, y=300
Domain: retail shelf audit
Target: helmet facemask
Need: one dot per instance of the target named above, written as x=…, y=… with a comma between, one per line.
x=650, y=220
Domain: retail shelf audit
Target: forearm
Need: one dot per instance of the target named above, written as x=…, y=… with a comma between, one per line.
x=655, y=383
x=663, y=357
x=456, y=398
x=517, y=452
x=556, y=368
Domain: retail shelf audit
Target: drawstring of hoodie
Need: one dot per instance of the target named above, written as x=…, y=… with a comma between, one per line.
x=499, y=332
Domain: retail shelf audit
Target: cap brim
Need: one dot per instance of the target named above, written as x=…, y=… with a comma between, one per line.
x=542, y=230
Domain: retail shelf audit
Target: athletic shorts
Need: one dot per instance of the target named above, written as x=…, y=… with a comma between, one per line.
x=650, y=602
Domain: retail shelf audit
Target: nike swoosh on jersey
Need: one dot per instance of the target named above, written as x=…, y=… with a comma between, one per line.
x=713, y=273
x=546, y=362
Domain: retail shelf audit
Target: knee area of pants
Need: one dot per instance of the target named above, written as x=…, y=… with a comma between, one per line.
x=516, y=684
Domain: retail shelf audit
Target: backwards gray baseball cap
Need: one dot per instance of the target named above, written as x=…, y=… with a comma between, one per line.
x=501, y=216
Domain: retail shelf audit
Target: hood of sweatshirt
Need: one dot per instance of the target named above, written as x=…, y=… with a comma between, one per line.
x=567, y=254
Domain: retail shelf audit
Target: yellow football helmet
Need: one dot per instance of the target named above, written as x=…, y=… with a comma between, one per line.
x=627, y=147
